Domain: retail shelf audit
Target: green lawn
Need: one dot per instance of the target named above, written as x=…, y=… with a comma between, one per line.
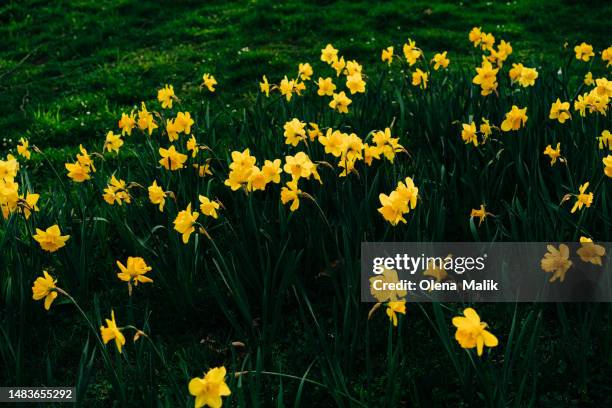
x=68, y=68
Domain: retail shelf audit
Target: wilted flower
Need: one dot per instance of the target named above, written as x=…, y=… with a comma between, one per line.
x=556, y=261
x=480, y=213
x=111, y=331
x=51, y=239
x=209, y=389
x=44, y=288
x=471, y=331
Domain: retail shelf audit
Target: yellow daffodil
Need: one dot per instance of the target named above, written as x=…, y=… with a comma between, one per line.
x=339, y=65
x=184, y=122
x=584, y=52
x=326, y=87
x=588, y=79
x=116, y=192
x=209, y=389
x=264, y=86
x=22, y=148
x=471, y=332
x=294, y=132
x=171, y=159
x=184, y=223
x=389, y=145
x=209, y=207
x=388, y=276
x=371, y=153
x=78, y=172
x=395, y=307
x=145, y=120
x=85, y=159
x=134, y=272
x=582, y=199
x=157, y=195
x=271, y=171
x=411, y=52
x=554, y=154
x=240, y=169
x=475, y=36
x=298, y=166
x=51, y=239
x=486, y=77
x=44, y=288
x=165, y=96
x=419, y=78
x=127, y=123
x=111, y=331
x=556, y=261
x=606, y=56
x=305, y=71
x=329, y=54
x=486, y=129
x=590, y=252
x=440, y=60
x=192, y=146
x=340, y=102
x=607, y=161
x=355, y=83
x=113, y=142
x=387, y=55
x=286, y=88
x=560, y=111
x=515, y=119
x=480, y=213
x=291, y=193
x=468, y=133
x=209, y=82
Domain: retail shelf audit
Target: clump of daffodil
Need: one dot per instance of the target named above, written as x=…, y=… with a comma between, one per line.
x=112, y=332
x=590, y=252
x=471, y=332
x=209, y=389
x=117, y=192
x=51, y=239
x=133, y=272
x=554, y=154
x=209, y=82
x=185, y=222
x=395, y=307
x=44, y=288
x=241, y=168
x=387, y=144
x=399, y=202
x=499, y=56
x=480, y=213
x=478, y=37
x=515, y=119
x=486, y=77
x=556, y=261
x=522, y=75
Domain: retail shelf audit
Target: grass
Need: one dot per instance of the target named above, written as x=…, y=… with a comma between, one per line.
x=274, y=294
